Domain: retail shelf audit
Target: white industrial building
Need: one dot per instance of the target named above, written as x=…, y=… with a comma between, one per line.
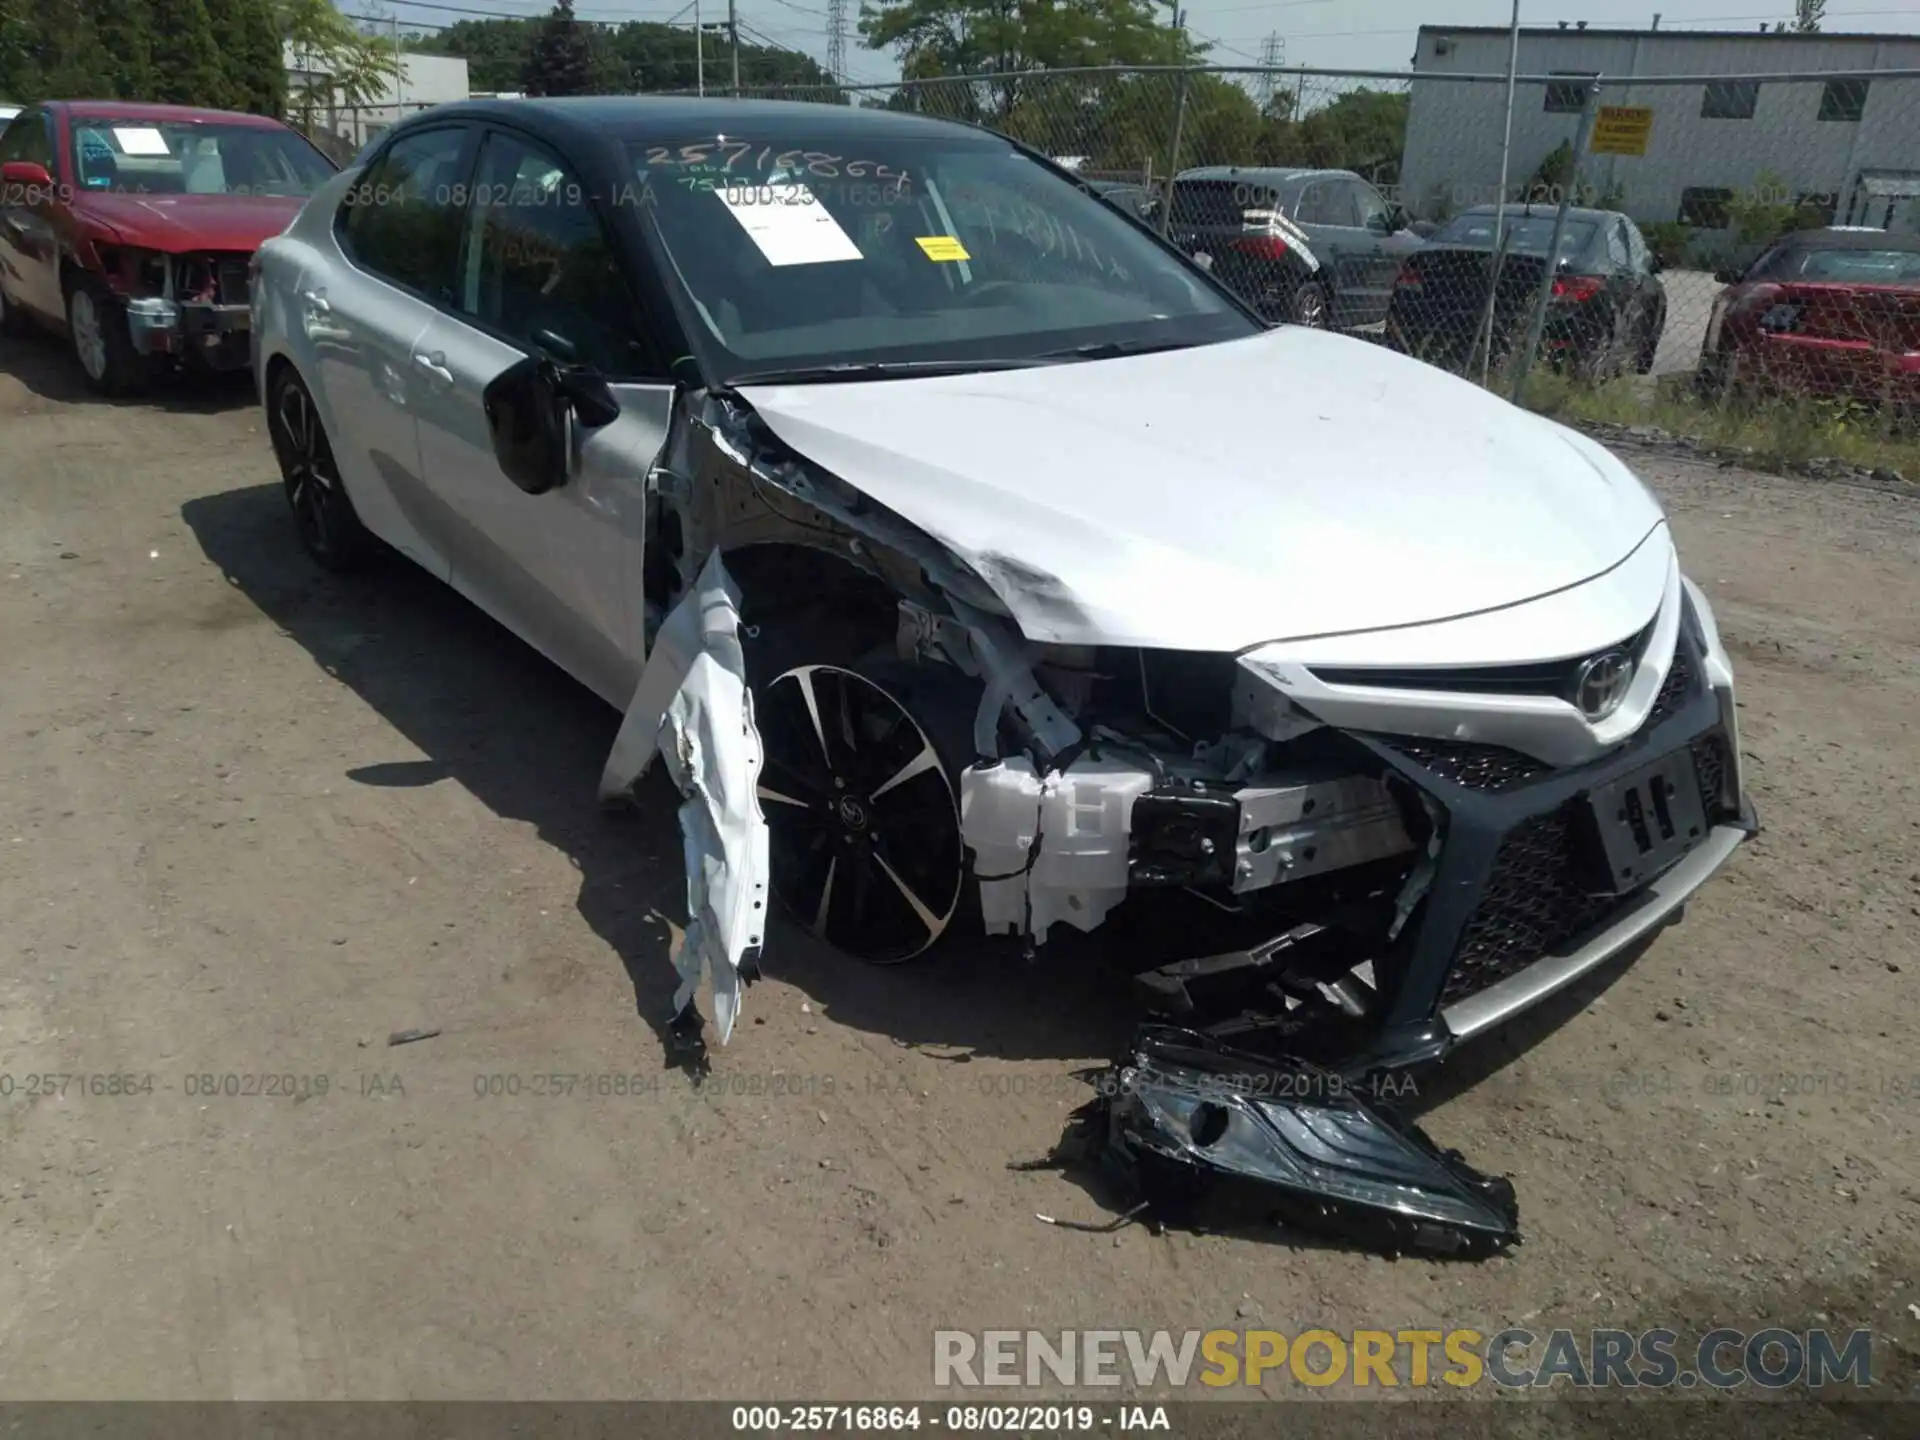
x=423, y=81
x=1853, y=145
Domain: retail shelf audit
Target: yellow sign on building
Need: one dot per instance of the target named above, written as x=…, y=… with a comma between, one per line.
x=1622, y=130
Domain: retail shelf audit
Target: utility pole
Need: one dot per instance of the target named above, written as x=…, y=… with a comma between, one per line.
x=733, y=38
x=837, y=39
x=1273, y=51
x=699, y=53
x=1498, y=260
x=1179, y=123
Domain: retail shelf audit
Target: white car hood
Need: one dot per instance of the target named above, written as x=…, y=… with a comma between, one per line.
x=1289, y=485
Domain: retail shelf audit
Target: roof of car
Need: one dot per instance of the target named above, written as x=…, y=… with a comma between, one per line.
x=1260, y=174
x=1851, y=238
x=1540, y=212
x=640, y=117
x=136, y=110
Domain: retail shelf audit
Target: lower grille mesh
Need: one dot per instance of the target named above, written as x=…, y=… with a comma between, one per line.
x=1534, y=902
x=1477, y=767
x=1710, y=765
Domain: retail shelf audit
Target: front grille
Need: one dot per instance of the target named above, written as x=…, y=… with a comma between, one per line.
x=1477, y=767
x=232, y=274
x=1710, y=760
x=1534, y=902
x=1675, y=689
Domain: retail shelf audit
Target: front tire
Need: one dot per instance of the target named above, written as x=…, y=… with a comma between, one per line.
x=102, y=344
x=323, y=515
x=862, y=802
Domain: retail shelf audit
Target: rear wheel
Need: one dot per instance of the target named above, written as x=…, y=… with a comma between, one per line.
x=1311, y=306
x=1656, y=323
x=323, y=514
x=12, y=320
x=861, y=796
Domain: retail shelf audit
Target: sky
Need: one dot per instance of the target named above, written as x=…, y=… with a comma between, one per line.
x=1357, y=34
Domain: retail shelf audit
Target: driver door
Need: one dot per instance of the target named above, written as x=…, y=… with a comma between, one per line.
x=29, y=221
x=538, y=271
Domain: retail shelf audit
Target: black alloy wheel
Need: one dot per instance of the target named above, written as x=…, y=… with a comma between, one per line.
x=862, y=815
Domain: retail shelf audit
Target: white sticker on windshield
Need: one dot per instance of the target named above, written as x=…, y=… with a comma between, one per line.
x=141, y=140
x=788, y=223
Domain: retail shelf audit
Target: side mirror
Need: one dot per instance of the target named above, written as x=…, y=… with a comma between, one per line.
x=24, y=175
x=532, y=408
x=1424, y=229
x=1655, y=264
x=1727, y=275
x=1380, y=224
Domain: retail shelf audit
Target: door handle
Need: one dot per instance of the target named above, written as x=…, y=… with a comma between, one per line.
x=316, y=302
x=435, y=365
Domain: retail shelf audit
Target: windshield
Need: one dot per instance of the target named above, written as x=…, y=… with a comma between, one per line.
x=1525, y=234
x=194, y=158
x=953, y=250
x=1861, y=267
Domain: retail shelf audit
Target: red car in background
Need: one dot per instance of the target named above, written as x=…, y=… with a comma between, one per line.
x=1828, y=314
x=132, y=228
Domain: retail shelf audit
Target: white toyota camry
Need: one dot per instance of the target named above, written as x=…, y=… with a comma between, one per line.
x=974, y=559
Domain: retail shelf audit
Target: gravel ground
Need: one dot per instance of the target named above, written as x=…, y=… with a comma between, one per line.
x=257, y=819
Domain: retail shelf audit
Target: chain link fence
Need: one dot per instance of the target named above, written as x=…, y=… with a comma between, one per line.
x=1673, y=187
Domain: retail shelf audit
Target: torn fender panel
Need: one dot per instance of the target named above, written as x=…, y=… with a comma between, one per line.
x=692, y=705
x=1208, y=1136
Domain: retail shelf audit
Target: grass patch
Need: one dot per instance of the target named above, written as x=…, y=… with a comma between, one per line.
x=1784, y=433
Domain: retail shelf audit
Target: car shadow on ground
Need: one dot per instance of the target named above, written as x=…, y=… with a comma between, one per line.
x=44, y=366
x=494, y=716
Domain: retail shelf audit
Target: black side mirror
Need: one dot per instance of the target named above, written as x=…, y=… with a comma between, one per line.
x=531, y=410
x=1655, y=265
x=1727, y=275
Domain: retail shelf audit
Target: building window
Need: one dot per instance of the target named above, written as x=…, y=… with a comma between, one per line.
x=1843, y=100
x=1566, y=97
x=1730, y=100
x=1705, y=206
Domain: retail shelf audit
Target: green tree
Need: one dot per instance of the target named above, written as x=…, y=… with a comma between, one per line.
x=561, y=60
x=1008, y=38
x=186, y=54
x=336, y=63
x=253, y=70
x=1807, y=15
x=125, y=28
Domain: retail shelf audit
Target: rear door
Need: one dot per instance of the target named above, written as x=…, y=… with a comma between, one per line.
x=1328, y=211
x=398, y=233
x=29, y=219
x=1380, y=253
x=539, y=271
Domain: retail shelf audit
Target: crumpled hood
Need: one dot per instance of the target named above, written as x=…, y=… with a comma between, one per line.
x=1293, y=484
x=191, y=222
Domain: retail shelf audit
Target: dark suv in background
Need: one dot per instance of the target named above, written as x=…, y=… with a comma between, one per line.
x=1317, y=247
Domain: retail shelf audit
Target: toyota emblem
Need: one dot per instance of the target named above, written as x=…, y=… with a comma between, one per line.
x=1602, y=683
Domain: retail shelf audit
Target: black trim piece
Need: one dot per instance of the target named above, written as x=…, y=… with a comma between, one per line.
x=1497, y=836
x=1555, y=678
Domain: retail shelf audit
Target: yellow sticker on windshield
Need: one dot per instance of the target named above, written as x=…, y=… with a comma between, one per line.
x=942, y=247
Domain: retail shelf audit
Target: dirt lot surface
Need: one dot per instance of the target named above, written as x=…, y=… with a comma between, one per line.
x=257, y=819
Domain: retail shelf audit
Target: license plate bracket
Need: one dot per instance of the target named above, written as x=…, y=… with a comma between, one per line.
x=1648, y=819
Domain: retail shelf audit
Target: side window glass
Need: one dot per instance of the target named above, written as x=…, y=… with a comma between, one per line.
x=538, y=259
x=27, y=139
x=1313, y=208
x=1617, y=255
x=1637, y=248
x=402, y=219
x=1369, y=207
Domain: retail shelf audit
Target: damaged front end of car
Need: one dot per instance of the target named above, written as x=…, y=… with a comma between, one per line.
x=1372, y=893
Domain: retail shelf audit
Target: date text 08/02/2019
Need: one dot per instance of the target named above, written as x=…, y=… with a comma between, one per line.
x=961, y=1419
